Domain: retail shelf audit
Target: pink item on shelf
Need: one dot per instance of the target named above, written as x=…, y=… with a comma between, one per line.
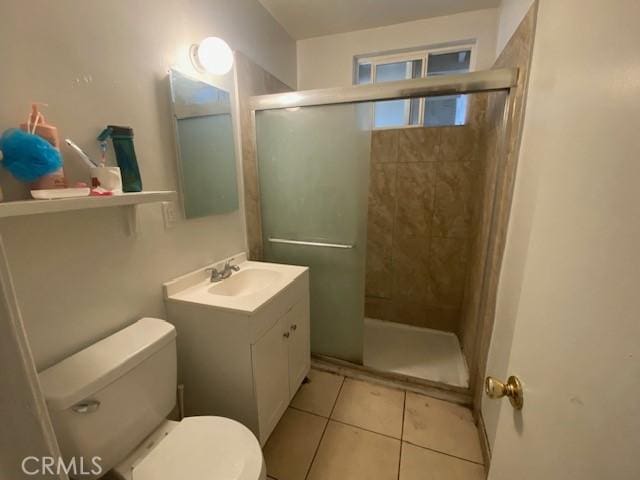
x=36, y=124
x=100, y=192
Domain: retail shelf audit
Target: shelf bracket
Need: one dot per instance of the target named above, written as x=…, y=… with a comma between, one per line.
x=132, y=221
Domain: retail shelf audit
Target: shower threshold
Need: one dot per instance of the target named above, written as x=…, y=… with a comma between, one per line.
x=415, y=352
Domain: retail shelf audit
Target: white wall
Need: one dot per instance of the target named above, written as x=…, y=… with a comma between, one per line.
x=328, y=61
x=26, y=428
x=510, y=14
x=78, y=275
x=569, y=279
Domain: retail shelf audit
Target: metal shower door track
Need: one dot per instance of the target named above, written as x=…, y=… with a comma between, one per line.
x=472, y=82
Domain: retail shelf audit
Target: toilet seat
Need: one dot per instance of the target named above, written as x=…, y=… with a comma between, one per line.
x=204, y=448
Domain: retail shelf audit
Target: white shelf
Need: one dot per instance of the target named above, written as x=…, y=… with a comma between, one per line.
x=35, y=207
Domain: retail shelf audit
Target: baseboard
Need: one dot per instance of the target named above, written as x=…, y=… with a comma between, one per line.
x=437, y=390
x=484, y=440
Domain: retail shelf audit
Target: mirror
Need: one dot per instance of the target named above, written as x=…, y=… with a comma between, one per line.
x=206, y=150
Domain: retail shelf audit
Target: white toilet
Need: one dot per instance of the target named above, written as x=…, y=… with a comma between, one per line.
x=111, y=401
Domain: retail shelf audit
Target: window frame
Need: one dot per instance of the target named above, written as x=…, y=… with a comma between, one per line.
x=408, y=56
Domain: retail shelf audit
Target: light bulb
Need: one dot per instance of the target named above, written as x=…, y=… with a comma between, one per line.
x=214, y=56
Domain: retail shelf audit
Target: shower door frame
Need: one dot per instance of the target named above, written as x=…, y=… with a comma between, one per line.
x=472, y=82
x=496, y=80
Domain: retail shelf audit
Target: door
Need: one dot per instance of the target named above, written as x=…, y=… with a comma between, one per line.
x=314, y=179
x=299, y=352
x=572, y=263
x=270, y=358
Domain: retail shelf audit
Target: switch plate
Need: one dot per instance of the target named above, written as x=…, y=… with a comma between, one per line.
x=170, y=214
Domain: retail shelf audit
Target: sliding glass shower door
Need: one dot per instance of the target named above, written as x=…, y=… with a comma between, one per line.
x=314, y=170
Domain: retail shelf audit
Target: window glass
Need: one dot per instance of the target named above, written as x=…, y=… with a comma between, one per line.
x=449, y=63
x=432, y=111
x=449, y=110
x=397, y=113
x=390, y=113
x=389, y=72
x=364, y=73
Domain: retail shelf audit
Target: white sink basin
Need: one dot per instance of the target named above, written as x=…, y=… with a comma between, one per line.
x=245, y=291
x=245, y=282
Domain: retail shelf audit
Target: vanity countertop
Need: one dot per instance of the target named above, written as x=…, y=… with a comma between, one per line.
x=254, y=285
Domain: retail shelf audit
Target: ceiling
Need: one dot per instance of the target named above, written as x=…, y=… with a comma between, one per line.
x=313, y=18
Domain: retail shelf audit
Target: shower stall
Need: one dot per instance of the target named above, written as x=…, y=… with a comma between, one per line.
x=393, y=223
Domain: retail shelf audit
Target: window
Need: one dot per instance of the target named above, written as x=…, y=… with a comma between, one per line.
x=430, y=112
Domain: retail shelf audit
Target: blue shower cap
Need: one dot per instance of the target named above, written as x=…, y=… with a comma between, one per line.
x=27, y=156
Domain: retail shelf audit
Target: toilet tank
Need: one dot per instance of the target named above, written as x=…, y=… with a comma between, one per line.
x=105, y=399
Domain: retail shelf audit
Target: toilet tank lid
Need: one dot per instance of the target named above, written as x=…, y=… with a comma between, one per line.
x=90, y=370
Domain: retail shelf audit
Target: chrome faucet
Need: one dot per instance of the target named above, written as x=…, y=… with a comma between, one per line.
x=219, y=275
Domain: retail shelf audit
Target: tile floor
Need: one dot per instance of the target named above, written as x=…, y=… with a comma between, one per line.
x=414, y=351
x=339, y=428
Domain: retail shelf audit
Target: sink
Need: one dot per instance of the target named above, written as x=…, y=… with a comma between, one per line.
x=245, y=282
x=246, y=291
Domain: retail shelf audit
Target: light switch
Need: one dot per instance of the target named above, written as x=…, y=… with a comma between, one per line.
x=170, y=214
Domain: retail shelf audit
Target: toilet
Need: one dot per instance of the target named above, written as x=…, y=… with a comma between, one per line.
x=111, y=401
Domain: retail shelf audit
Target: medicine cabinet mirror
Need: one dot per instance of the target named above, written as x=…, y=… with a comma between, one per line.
x=205, y=142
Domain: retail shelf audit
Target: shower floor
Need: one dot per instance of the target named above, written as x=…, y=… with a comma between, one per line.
x=414, y=351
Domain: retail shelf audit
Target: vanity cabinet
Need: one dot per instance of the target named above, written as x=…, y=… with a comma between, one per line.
x=281, y=360
x=244, y=357
x=299, y=345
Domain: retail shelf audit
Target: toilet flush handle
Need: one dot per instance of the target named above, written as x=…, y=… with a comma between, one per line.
x=87, y=406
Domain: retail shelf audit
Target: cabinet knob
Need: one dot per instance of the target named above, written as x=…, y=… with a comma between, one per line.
x=285, y=334
x=293, y=327
x=88, y=406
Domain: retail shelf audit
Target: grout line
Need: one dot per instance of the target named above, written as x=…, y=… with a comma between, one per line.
x=404, y=407
x=335, y=402
x=315, y=453
x=444, y=453
x=298, y=409
x=364, y=429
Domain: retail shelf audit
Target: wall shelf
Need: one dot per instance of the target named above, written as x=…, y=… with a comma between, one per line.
x=130, y=200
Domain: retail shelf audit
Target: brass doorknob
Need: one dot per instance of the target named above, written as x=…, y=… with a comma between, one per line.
x=494, y=388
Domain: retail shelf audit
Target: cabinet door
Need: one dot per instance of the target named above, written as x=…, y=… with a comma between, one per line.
x=299, y=349
x=270, y=358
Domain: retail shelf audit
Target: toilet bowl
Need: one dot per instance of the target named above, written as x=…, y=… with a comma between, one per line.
x=196, y=448
x=110, y=402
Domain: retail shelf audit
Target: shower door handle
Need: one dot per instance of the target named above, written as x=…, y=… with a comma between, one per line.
x=312, y=244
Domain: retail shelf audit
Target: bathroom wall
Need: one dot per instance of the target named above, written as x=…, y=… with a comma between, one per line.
x=26, y=428
x=421, y=204
x=78, y=275
x=251, y=79
x=510, y=15
x=328, y=61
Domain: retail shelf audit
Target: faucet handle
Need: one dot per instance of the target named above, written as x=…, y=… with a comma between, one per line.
x=214, y=273
x=228, y=265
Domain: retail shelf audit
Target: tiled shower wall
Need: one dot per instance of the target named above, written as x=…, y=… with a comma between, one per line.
x=423, y=182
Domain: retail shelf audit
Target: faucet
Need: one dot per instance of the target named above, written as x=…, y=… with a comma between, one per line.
x=219, y=275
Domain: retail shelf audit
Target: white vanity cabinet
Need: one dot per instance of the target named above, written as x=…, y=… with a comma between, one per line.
x=281, y=360
x=244, y=354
